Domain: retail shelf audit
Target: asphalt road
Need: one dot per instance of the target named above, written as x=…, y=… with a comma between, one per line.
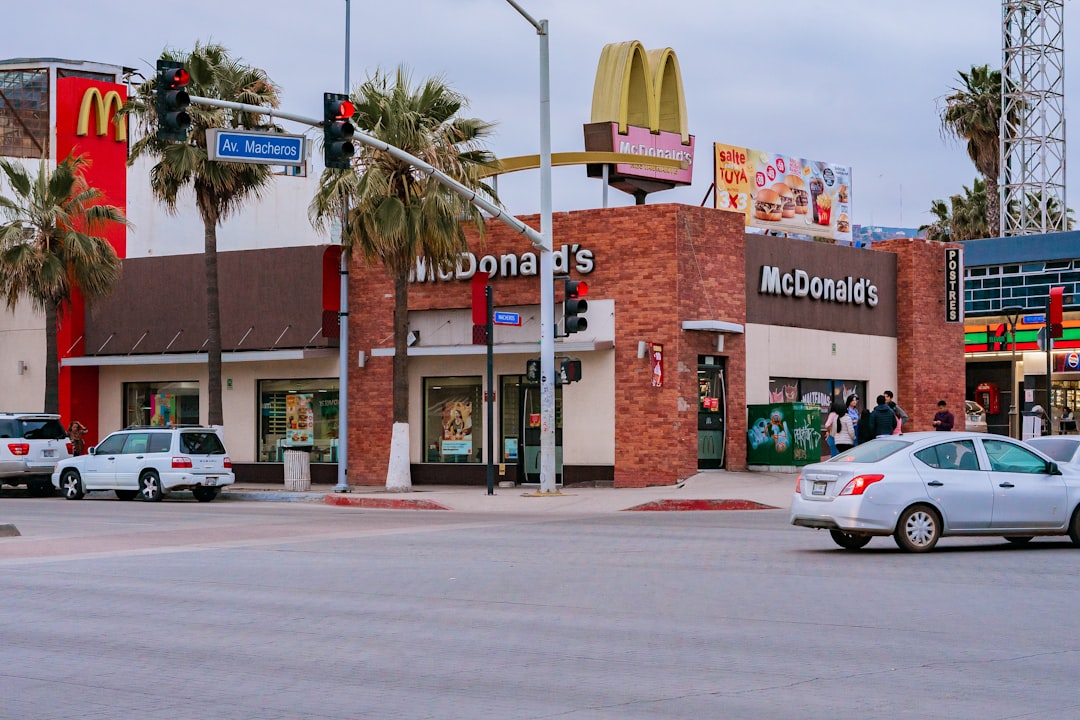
x=263, y=610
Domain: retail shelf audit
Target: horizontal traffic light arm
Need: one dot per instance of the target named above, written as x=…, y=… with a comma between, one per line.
x=471, y=196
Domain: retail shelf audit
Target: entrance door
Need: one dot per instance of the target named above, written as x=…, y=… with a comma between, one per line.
x=712, y=413
x=529, y=432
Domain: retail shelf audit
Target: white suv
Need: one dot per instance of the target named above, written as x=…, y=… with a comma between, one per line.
x=30, y=446
x=149, y=462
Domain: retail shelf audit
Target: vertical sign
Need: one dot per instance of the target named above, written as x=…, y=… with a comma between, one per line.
x=954, y=285
x=656, y=359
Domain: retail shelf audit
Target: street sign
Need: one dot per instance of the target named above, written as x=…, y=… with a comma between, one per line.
x=253, y=146
x=1033, y=319
x=506, y=318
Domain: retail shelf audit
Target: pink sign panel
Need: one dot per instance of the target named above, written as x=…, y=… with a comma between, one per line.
x=640, y=141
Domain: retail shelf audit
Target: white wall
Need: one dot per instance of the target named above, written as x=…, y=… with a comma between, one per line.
x=774, y=351
x=22, y=337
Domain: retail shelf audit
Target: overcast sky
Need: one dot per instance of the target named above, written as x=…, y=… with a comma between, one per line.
x=854, y=82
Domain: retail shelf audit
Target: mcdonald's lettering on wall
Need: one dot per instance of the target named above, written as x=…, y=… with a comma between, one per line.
x=101, y=105
x=638, y=107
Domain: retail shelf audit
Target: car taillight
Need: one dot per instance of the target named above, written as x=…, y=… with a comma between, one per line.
x=798, y=484
x=228, y=463
x=858, y=484
x=181, y=462
x=19, y=448
x=70, y=448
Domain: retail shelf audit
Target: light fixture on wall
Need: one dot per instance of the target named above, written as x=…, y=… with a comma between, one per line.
x=642, y=350
x=21, y=366
x=361, y=358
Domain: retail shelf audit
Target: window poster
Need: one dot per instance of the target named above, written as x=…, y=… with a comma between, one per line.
x=299, y=419
x=457, y=428
x=162, y=409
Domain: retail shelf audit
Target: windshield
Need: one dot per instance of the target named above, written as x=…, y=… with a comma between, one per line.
x=871, y=452
x=1059, y=449
x=42, y=429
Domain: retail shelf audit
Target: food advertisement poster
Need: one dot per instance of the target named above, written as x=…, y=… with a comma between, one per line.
x=299, y=419
x=457, y=428
x=784, y=194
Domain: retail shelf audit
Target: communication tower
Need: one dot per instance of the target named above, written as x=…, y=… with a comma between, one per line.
x=1033, y=117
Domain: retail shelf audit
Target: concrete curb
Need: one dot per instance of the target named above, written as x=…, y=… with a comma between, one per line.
x=271, y=496
x=9, y=530
x=382, y=503
x=694, y=505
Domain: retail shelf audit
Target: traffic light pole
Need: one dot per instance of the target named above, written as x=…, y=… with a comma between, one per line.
x=342, y=485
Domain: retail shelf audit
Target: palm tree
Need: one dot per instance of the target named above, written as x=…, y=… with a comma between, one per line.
x=973, y=113
x=397, y=214
x=962, y=218
x=220, y=188
x=52, y=245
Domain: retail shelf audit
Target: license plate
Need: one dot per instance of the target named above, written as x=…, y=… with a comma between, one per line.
x=210, y=481
x=819, y=488
x=48, y=453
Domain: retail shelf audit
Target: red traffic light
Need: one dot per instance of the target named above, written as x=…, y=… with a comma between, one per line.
x=177, y=78
x=576, y=288
x=345, y=111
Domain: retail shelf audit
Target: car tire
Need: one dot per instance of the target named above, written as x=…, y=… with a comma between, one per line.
x=72, y=485
x=203, y=493
x=849, y=541
x=126, y=494
x=150, y=486
x=918, y=529
x=40, y=488
x=1018, y=539
x=1074, y=527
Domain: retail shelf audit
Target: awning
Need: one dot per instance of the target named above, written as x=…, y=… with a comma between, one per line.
x=721, y=326
x=198, y=358
x=503, y=349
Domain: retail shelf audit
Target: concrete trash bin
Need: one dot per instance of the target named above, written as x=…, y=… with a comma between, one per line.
x=297, y=470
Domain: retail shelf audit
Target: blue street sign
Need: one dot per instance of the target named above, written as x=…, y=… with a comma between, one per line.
x=1033, y=319
x=252, y=146
x=505, y=318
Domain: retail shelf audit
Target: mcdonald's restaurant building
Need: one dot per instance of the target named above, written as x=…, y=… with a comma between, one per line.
x=690, y=320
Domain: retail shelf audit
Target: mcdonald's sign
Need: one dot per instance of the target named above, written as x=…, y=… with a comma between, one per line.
x=639, y=107
x=101, y=105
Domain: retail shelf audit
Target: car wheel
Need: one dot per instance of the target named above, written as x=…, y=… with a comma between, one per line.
x=918, y=530
x=1018, y=539
x=150, y=486
x=126, y=494
x=1074, y=527
x=203, y=493
x=71, y=484
x=40, y=488
x=849, y=541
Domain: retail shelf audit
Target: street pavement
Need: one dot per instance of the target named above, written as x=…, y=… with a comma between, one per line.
x=708, y=490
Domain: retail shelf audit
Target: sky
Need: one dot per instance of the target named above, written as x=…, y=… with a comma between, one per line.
x=853, y=82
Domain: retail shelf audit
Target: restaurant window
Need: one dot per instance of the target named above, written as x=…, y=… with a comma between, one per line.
x=24, y=113
x=298, y=414
x=453, y=424
x=161, y=404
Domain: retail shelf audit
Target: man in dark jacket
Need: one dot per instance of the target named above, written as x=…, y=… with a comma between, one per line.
x=882, y=419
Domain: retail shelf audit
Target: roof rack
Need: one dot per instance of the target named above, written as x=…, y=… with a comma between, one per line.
x=167, y=427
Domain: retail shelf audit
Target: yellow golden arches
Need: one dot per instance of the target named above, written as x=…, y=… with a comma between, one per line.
x=92, y=100
x=640, y=87
x=532, y=162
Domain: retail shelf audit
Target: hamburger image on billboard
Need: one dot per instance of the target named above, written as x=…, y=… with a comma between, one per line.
x=784, y=193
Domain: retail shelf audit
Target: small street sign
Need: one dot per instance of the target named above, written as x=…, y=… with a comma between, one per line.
x=253, y=146
x=1033, y=319
x=506, y=318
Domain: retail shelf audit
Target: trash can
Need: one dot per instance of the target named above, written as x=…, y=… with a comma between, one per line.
x=297, y=469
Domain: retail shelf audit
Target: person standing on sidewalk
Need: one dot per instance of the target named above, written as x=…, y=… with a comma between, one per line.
x=943, y=420
x=76, y=430
x=832, y=426
x=901, y=416
x=844, y=426
x=882, y=420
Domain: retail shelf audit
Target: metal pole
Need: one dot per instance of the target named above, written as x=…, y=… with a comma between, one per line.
x=490, y=330
x=343, y=322
x=1014, y=431
x=1049, y=371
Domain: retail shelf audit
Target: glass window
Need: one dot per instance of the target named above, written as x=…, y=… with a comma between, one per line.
x=1007, y=457
x=958, y=455
x=24, y=113
x=136, y=443
x=453, y=424
x=519, y=407
x=870, y=452
x=159, y=442
x=201, y=443
x=110, y=445
x=298, y=413
x=161, y=404
x=783, y=390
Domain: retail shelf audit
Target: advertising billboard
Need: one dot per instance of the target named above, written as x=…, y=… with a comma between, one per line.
x=783, y=193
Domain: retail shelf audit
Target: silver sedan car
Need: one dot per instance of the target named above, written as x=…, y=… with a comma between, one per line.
x=919, y=487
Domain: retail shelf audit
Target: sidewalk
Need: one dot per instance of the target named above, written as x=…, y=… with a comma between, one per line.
x=708, y=490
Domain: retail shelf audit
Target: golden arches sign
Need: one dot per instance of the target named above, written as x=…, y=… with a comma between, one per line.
x=640, y=87
x=93, y=100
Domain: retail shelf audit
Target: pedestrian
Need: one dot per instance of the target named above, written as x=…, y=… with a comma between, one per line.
x=851, y=406
x=943, y=419
x=76, y=430
x=882, y=420
x=832, y=426
x=1068, y=424
x=901, y=416
x=844, y=425
x=864, y=431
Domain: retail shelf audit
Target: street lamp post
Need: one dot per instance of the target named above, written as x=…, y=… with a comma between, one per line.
x=547, y=268
x=1012, y=313
x=343, y=323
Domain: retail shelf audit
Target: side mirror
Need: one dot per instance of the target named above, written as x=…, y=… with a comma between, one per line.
x=92, y=450
x=1052, y=468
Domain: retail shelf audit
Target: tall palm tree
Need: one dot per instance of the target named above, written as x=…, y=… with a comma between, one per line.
x=220, y=188
x=973, y=113
x=52, y=245
x=962, y=218
x=396, y=214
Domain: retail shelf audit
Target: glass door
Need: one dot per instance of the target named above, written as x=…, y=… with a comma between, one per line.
x=712, y=413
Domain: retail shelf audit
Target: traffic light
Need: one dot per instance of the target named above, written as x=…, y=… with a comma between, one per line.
x=532, y=370
x=569, y=370
x=337, y=130
x=172, y=101
x=1054, y=317
x=574, y=306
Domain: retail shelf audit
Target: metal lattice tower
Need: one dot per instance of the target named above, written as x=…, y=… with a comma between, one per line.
x=1033, y=117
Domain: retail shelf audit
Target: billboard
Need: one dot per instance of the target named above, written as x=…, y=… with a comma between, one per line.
x=783, y=193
